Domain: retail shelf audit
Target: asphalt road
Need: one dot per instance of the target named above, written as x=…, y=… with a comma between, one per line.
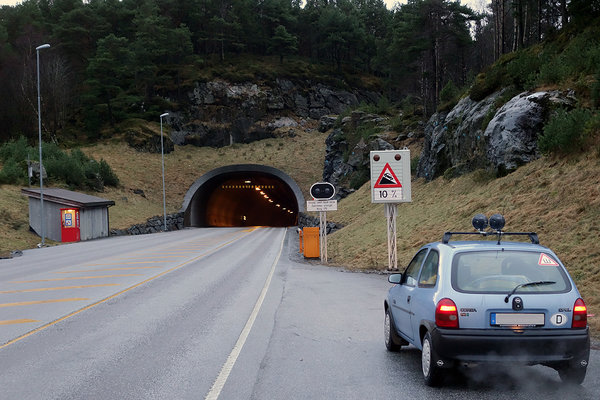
x=224, y=313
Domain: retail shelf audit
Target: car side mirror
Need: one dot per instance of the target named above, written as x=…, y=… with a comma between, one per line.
x=395, y=278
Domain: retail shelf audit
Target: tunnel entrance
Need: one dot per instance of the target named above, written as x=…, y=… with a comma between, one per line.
x=243, y=195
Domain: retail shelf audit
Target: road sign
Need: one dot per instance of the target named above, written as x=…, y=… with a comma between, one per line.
x=390, y=176
x=321, y=205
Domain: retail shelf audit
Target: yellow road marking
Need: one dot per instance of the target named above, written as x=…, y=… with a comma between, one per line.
x=58, y=288
x=29, y=303
x=18, y=321
x=121, y=263
x=41, y=328
x=104, y=269
x=148, y=258
x=76, y=277
x=174, y=252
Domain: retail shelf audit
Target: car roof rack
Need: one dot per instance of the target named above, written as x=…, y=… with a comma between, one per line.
x=532, y=235
x=496, y=223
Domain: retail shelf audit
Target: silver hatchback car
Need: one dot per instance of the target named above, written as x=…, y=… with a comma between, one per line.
x=487, y=301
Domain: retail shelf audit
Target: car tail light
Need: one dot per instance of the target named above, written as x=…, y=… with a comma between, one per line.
x=579, y=314
x=446, y=314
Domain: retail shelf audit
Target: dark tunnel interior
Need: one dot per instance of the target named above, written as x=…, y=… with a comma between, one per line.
x=243, y=199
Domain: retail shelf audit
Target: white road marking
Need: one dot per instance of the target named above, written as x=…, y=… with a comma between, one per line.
x=217, y=387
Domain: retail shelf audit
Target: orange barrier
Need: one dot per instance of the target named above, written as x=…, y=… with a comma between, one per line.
x=311, y=245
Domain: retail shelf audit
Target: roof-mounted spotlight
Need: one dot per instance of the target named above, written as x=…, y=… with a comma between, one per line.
x=480, y=222
x=497, y=222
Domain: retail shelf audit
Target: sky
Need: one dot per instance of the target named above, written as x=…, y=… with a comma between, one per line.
x=475, y=4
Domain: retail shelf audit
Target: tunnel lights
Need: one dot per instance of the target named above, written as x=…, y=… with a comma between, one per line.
x=270, y=201
x=256, y=188
x=278, y=205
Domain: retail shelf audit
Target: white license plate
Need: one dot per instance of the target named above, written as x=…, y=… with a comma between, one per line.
x=517, y=319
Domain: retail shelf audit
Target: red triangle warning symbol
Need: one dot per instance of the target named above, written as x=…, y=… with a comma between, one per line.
x=387, y=178
x=547, y=261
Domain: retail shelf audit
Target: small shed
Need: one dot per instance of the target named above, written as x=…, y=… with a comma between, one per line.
x=68, y=216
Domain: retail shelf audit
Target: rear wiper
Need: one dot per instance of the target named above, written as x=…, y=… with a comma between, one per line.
x=525, y=285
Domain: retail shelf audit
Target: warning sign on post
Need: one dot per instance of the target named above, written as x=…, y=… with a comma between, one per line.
x=390, y=176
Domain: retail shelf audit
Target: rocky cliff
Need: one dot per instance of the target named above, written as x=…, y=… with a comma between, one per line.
x=219, y=113
x=488, y=134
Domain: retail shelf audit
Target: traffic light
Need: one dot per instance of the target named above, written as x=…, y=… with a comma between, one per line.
x=322, y=191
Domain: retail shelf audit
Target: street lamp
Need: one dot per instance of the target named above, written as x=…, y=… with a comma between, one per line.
x=37, y=49
x=162, y=152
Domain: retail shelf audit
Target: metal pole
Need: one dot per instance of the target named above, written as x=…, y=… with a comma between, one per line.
x=323, y=235
x=162, y=153
x=43, y=224
x=390, y=214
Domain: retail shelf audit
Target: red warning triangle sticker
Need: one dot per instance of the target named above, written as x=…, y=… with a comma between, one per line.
x=387, y=178
x=547, y=261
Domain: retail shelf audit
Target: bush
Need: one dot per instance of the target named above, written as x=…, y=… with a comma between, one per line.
x=487, y=83
x=523, y=70
x=596, y=90
x=565, y=132
x=449, y=92
x=12, y=173
x=449, y=96
x=107, y=174
x=75, y=169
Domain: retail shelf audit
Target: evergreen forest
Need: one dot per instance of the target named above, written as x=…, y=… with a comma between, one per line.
x=111, y=60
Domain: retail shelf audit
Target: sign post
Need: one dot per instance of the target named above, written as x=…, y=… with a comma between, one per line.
x=322, y=192
x=390, y=184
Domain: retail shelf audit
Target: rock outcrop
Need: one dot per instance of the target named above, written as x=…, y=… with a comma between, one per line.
x=347, y=166
x=476, y=135
x=220, y=113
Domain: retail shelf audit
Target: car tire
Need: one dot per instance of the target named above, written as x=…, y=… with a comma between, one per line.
x=389, y=333
x=572, y=374
x=432, y=374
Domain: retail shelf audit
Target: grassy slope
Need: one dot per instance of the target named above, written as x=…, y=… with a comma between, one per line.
x=558, y=198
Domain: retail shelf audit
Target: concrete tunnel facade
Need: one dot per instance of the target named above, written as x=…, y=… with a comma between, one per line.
x=243, y=195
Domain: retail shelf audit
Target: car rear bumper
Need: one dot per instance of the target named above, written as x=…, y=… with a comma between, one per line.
x=502, y=345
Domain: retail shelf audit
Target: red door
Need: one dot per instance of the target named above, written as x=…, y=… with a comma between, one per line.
x=70, y=224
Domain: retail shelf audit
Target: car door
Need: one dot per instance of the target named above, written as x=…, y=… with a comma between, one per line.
x=423, y=296
x=401, y=295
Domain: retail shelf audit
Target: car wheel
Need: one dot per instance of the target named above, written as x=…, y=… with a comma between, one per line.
x=431, y=372
x=572, y=374
x=388, y=333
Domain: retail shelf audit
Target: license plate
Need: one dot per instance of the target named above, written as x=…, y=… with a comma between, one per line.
x=517, y=319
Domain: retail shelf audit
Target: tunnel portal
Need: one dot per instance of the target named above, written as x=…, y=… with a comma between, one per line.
x=243, y=195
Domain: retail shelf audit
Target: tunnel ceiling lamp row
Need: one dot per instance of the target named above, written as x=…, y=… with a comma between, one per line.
x=266, y=196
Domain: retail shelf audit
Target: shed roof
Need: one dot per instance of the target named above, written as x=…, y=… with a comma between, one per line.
x=68, y=198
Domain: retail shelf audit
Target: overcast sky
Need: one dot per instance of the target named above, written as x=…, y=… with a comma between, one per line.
x=475, y=4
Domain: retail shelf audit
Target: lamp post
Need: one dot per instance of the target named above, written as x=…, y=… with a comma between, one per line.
x=162, y=153
x=43, y=227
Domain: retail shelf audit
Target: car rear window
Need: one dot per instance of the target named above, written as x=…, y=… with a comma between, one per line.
x=498, y=271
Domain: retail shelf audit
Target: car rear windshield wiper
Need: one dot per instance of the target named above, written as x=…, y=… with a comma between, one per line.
x=525, y=285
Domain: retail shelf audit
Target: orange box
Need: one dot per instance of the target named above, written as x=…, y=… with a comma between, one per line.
x=311, y=243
